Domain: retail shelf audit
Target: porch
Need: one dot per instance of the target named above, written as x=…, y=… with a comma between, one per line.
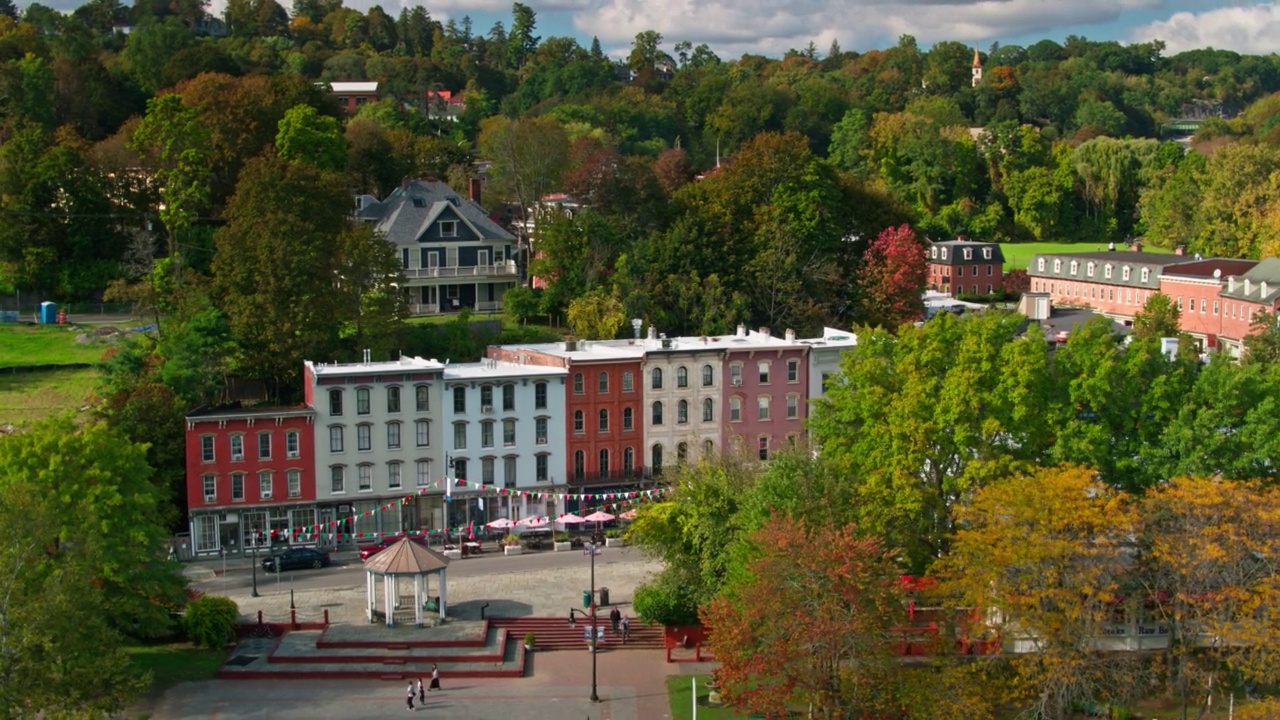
x=443, y=298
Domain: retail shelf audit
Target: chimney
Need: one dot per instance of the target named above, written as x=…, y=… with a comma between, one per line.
x=1180, y=250
x=742, y=330
x=1111, y=247
x=473, y=190
x=791, y=335
x=366, y=356
x=1136, y=246
x=1262, y=288
x=1231, y=283
x=653, y=333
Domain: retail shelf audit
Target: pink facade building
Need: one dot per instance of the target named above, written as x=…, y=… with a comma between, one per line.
x=766, y=391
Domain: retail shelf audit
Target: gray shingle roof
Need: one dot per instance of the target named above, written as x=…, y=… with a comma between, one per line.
x=411, y=208
x=1264, y=276
x=954, y=254
x=1059, y=265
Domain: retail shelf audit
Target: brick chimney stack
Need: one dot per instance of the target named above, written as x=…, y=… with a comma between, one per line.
x=473, y=190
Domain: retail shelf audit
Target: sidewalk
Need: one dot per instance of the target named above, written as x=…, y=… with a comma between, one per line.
x=209, y=568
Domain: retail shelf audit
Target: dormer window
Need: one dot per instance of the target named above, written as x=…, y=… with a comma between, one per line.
x=1075, y=267
x=419, y=202
x=1040, y=265
x=968, y=254
x=986, y=253
x=944, y=253
x=1106, y=271
x=1057, y=266
x=1088, y=269
x=449, y=228
x=934, y=253
x=1125, y=273
x=1146, y=275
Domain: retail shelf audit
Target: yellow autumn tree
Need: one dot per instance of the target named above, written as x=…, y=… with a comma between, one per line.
x=1210, y=548
x=1046, y=560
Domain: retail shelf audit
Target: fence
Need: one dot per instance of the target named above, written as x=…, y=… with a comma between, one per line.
x=29, y=305
x=297, y=620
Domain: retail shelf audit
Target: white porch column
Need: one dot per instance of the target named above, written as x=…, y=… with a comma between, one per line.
x=442, y=592
x=369, y=593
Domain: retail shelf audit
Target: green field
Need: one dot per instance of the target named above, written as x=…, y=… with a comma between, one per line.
x=1017, y=256
x=29, y=397
x=175, y=663
x=679, y=693
x=48, y=345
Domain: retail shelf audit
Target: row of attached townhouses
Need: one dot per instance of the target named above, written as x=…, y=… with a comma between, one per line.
x=1218, y=298
x=505, y=437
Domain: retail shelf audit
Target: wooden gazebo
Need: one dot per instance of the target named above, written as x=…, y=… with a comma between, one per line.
x=404, y=559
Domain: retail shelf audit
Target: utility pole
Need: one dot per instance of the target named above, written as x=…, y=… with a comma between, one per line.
x=255, y=563
x=595, y=638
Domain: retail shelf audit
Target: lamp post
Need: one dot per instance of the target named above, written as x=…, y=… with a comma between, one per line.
x=255, y=563
x=592, y=551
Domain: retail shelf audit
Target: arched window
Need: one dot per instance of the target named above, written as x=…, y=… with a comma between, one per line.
x=708, y=410
x=627, y=422
x=708, y=448
x=655, y=460
x=682, y=377
x=682, y=452
x=628, y=461
x=682, y=412
x=604, y=420
x=655, y=377
x=604, y=463
x=579, y=465
x=657, y=413
x=579, y=422
x=603, y=382
x=708, y=376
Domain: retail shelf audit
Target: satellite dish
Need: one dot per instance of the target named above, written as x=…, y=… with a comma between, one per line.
x=1217, y=273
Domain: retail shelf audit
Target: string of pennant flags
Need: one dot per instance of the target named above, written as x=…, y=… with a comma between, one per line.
x=328, y=530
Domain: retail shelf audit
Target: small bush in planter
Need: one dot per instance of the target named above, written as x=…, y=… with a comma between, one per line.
x=211, y=621
x=613, y=533
x=562, y=537
x=511, y=541
x=529, y=640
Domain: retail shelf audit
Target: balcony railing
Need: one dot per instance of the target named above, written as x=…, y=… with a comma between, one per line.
x=483, y=306
x=506, y=269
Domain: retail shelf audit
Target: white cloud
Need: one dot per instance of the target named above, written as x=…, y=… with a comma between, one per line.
x=1254, y=30
x=732, y=27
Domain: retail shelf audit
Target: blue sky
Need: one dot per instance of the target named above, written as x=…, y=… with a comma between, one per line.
x=732, y=27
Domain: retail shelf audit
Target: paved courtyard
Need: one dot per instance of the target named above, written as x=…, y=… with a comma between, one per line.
x=543, y=591
x=631, y=686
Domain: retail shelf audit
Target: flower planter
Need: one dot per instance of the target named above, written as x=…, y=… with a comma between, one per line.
x=563, y=547
x=528, y=648
x=615, y=542
x=512, y=550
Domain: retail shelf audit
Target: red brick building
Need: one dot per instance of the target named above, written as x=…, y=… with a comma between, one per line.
x=604, y=428
x=247, y=470
x=1195, y=288
x=1246, y=295
x=351, y=95
x=965, y=267
x=1114, y=283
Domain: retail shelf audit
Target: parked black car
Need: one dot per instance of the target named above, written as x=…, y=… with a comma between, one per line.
x=296, y=559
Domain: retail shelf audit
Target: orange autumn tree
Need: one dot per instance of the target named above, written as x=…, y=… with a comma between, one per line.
x=1210, y=548
x=806, y=622
x=1047, y=559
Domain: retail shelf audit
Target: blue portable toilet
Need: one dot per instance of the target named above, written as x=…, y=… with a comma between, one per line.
x=48, y=313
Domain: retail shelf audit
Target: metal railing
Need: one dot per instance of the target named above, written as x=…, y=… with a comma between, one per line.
x=506, y=269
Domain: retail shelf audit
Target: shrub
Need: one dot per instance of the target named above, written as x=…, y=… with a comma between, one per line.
x=665, y=602
x=211, y=621
x=614, y=533
x=530, y=639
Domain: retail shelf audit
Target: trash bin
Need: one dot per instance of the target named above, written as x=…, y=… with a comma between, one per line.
x=586, y=599
x=604, y=597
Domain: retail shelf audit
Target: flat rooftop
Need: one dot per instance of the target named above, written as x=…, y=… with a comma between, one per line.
x=404, y=364
x=499, y=369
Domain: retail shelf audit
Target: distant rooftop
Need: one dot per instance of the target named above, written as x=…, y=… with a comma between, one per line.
x=353, y=87
x=1210, y=268
x=404, y=364
x=235, y=411
x=498, y=369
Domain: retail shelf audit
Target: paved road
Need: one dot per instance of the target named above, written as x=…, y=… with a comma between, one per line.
x=347, y=570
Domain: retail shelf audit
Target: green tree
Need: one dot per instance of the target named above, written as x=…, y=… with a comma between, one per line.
x=306, y=136
x=1158, y=318
x=521, y=42
x=276, y=264
x=529, y=158
x=920, y=421
x=1262, y=344
x=173, y=137
x=596, y=315
x=369, y=282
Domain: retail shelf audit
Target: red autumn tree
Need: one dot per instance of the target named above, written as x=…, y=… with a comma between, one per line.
x=1016, y=282
x=893, y=279
x=672, y=169
x=806, y=622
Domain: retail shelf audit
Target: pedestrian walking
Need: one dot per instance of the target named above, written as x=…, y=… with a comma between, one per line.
x=409, y=699
x=626, y=629
x=615, y=619
x=435, y=677
x=422, y=693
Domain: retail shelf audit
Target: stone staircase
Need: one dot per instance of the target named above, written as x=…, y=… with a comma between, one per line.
x=557, y=634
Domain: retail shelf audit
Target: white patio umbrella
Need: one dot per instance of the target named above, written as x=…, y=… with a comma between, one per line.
x=501, y=523
x=533, y=521
x=598, y=517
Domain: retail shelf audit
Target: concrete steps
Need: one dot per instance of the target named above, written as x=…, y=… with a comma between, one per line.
x=558, y=634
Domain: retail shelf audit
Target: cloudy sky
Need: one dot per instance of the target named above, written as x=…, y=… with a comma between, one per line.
x=732, y=27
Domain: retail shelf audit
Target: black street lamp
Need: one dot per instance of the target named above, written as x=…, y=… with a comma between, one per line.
x=255, y=563
x=591, y=550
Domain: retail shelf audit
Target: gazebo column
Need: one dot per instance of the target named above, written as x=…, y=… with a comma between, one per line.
x=369, y=595
x=388, y=595
x=417, y=600
x=443, y=591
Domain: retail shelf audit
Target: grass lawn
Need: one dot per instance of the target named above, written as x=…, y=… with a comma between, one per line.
x=175, y=663
x=28, y=397
x=679, y=690
x=46, y=345
x=1017, y=256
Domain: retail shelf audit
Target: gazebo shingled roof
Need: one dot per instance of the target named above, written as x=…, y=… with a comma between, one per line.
x=406, y=557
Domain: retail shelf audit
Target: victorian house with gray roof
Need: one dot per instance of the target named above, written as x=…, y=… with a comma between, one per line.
x=452, y=253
